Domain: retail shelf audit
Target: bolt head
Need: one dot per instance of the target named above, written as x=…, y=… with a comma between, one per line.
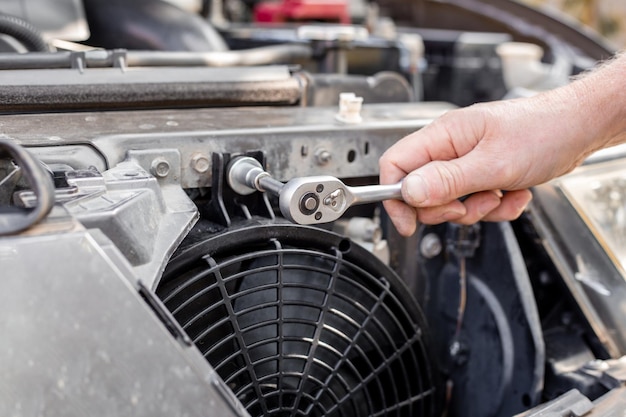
x=200, y=163
x=160, y=168
x=309, y=204
x=323, y=157
x=430, y=246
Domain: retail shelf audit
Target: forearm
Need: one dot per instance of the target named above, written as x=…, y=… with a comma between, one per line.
x=601, y=100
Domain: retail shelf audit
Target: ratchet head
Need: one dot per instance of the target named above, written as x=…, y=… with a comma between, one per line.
x=316, y=199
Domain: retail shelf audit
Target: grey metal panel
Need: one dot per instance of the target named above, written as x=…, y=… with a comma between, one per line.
x=78, y=340
x=292, y=136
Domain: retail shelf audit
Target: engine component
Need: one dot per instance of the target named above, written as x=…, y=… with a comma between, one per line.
x=99, y=79
x=25, y=33
x=300, y=321
x=609, y=374
x=15, y=219
x=105, y=352
x=307, y=200
x=297, y=320
x=337, y=48
x=149, y=25
x=333, y=11
x=56, y=19
x=479, y=299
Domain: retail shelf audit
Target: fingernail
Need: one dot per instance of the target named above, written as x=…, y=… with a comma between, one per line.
x=415, y=190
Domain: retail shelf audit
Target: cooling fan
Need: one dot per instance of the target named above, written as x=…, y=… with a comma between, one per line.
x=299, y=321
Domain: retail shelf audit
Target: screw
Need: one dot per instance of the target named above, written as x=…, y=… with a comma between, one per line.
x=318, y=215
x=430, y=246
x=319, y=188
x=160, y=167
x=200, y=163
x=323, y=157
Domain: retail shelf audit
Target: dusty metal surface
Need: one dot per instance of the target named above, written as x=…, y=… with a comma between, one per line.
x=293, y=137
x=78, y=340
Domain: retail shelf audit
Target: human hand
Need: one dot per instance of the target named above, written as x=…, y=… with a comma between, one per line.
x=478, y=151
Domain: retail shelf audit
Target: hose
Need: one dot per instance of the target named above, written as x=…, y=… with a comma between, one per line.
x=264, y=55
x=24, y=32
x=13, y=219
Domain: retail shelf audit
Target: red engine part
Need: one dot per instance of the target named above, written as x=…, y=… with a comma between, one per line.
x=332, y=11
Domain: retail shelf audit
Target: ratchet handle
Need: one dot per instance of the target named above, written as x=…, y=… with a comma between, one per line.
x=375, y=193
x=307, y=200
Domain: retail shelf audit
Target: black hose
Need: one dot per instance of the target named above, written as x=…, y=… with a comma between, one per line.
x=13, y=219
x=24, y=32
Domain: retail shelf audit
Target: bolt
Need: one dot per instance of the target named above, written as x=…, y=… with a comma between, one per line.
x=430, y=246
x=200, y=163
x=319, y=188
x=309, y=203
x=459, y=353
x=160, y=167
x=323, y=157
x=318, y=215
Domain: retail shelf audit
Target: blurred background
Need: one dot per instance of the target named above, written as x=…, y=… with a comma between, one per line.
x=608, y=17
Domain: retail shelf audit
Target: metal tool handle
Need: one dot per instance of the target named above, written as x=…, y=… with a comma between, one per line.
x=375, y=193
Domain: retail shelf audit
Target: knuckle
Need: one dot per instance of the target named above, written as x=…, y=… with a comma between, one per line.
x=451, y=181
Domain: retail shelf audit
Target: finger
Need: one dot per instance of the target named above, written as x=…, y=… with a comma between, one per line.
x=449, y=212
x=511, y=207
x=479, y=205
x=403, y=217
x=439, y=182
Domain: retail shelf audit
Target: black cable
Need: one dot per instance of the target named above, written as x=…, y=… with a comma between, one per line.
x=23, y=32
x=15, y=220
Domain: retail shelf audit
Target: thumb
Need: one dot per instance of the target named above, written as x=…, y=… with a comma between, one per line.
x=440, y=182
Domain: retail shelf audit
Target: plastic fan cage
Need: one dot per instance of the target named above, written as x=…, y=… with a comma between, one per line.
x=299, y=321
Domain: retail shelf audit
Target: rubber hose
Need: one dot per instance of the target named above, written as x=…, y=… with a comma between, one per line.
x=13, y=219
x=24, y=32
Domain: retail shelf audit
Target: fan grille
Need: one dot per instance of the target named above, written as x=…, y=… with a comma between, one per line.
x=295, y=329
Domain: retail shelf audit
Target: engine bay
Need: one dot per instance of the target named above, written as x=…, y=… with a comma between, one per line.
x=140, y=280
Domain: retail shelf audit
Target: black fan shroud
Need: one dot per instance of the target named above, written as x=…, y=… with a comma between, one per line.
x=301, y=321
